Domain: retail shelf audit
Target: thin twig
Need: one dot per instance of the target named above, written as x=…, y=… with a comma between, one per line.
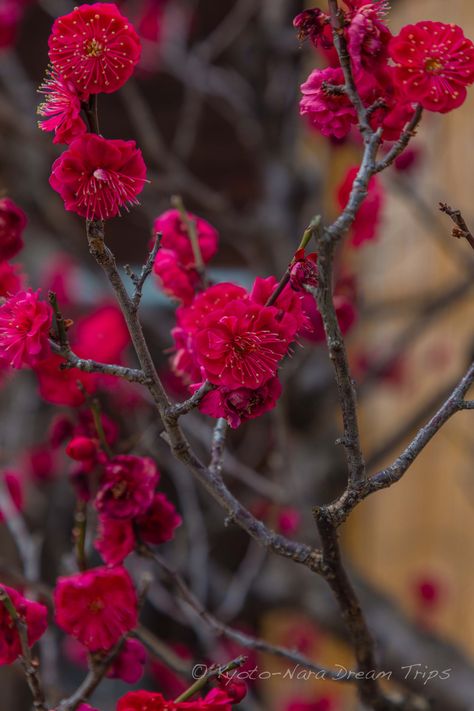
x=397, y=149
x=182, y=408
x=224, y=630
x=71, y=360
x=213, y=671
x=190, y=227
x=461, y=229
x=218, y=446
x=30, y=665
x=139, y=280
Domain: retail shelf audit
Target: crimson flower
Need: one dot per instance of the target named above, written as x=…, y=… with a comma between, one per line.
x=96, y=607
x=159, y=522
x=32, y=613
x=365, y=226
x=10, y=279
x=241, y=404
x=368, y=37
x=242, y=345
x=175, y=264
x=115, y=540
x=216, y=700
x=61, y=109
x=189, y=320
x=24, y=327
x=328, y=111
x=127, y=486
x=97, y=176
x=59, y=386
x=303, y=270
x=94, y=47
x=434, y=64
x=12, y=224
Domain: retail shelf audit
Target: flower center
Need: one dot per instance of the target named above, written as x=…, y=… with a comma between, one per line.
x=119, y=489
x=93, y=48
x=434, y=66
x=96, y=605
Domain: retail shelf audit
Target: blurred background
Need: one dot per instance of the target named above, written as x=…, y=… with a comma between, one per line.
x=214, y=108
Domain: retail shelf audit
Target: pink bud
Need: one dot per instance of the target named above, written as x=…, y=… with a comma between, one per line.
x=81, y=449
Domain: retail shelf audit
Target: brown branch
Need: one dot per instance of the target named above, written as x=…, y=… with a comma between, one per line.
x=221, y=629
x=338, y=511
x=132, y=375
x=99, y=666
x=183, y=408
x=370, y=691
x=30, y=665
x=461, y=229
x=407, y=134
x=338, y=356
x=340, y=43
x=139, y=280
x=212, y=482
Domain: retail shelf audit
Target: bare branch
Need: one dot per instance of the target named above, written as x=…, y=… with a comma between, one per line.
x=218, y=445
x=182, y=408
x=139, y=280
x=461, y=229
x=30, y=665
x=132, y=375
x=407, y=134
x=340, y=510
x=226, y=631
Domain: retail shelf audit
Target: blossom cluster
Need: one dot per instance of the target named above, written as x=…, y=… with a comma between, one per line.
x=92, y=50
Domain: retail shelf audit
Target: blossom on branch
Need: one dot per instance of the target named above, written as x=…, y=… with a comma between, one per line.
x=96, y=607
x=241, y=404
x=96, y=176
x=325, y=103
x=127, y=486
x=365, y=225
x=33, y=614
x=434, y=64
x=94, y=47
x=61, y=109
x=215, y=700
x=12, y=224
x=25, y=322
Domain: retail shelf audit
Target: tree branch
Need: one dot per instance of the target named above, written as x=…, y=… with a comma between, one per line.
x=461, y=229
x=30, y=665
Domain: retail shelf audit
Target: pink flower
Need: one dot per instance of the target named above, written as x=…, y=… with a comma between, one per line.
x=364, y=227
x=289, y=303
x=158, y=524
x=41, y=464
x=345, y=312
x=315, y=25
x=127, y=486
x=176, y=281
x=303, y=270
x=11, y=13
x=288, y=520
x=175, y=236
x=12, y=224
x=82, y=449
x=216, y=700
x=95, y=48
x=242, y=345
x=190, y=318
x=323, y=703
x=96, y=607
x=129, y=664
x=175, y=264
x=368, y=38
x=14, y=488
x=32, y=613
x=330, y=113
x=59, y=386
x=10, y=279
x=96, y=176
x=102, y=335
x=61, y=109
x=116, y=539
x=25, y=322
x=434, y=64
x=241, y=404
